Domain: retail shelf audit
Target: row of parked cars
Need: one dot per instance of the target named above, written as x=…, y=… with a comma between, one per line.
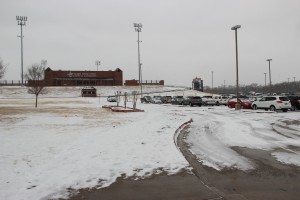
x=272, y=103
x=186, y=100
x=279, y=102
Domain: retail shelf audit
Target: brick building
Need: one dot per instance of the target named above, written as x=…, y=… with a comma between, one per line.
x=83, y=78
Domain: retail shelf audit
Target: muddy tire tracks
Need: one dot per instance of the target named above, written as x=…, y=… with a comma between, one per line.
x=269, y=180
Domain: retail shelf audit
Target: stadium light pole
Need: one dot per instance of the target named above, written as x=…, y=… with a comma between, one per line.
x=265, y=79
x=97, y=63
x=235, y=28
x=269, y=60
x=21, y=22
x=138, y=29
x=212, y=82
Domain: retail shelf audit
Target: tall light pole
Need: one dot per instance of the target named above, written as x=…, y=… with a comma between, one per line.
x=265, y=79
x=235, y=28
x=21, y=22
x=269, y=60
x=97, y=63
x=212, y=82
x=138, y=29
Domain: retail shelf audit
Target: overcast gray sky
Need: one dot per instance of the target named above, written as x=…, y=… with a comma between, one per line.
x=181, y=39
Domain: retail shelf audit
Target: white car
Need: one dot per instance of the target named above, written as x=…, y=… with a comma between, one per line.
x=221, y=100
x=272, y=103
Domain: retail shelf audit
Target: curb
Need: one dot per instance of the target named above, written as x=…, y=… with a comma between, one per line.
x=182, y=126
x=123, y=109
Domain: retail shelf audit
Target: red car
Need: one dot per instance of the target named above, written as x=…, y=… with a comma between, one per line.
x=245, y=103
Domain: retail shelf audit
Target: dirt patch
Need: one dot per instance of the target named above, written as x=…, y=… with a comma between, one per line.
x=13, y=111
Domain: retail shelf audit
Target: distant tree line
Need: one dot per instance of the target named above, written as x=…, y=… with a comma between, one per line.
x=285, y=87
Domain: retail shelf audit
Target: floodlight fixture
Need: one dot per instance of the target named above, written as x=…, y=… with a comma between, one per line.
x=236, y=27
x=138, y=27
x=97, y=63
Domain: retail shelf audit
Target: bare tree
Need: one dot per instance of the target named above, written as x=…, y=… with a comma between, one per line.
x=2, y=69
x=36, y=84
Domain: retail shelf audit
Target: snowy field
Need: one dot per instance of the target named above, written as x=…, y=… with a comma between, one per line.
x=70, y=142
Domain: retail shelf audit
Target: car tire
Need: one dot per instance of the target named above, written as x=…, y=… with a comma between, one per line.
x=191, y=104
x=272, y=108
x=254, y=107
x=217, y=104
x=284, y=110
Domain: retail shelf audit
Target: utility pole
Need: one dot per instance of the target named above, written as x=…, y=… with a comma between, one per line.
x=269, y=60
x=212, y=82
x=138, y=29
x=21, y=22
x=235, y=28
x=265, y=79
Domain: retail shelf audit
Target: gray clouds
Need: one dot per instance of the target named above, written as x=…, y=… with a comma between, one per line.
x=180, y=39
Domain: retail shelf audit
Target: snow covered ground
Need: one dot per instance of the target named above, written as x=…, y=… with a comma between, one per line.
x=71, y=142
x=215, y=131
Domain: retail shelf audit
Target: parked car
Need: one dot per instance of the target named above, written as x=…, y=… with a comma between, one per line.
x=146, y=99
x=208, y=100
x=295, y=102
x=272, y=103
x=156, y=100
x=195, y=100
x=177, y=100
x=186, y=100
x=111, y=99
x=166, y=99
x=245, y=103
x=221, y=100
